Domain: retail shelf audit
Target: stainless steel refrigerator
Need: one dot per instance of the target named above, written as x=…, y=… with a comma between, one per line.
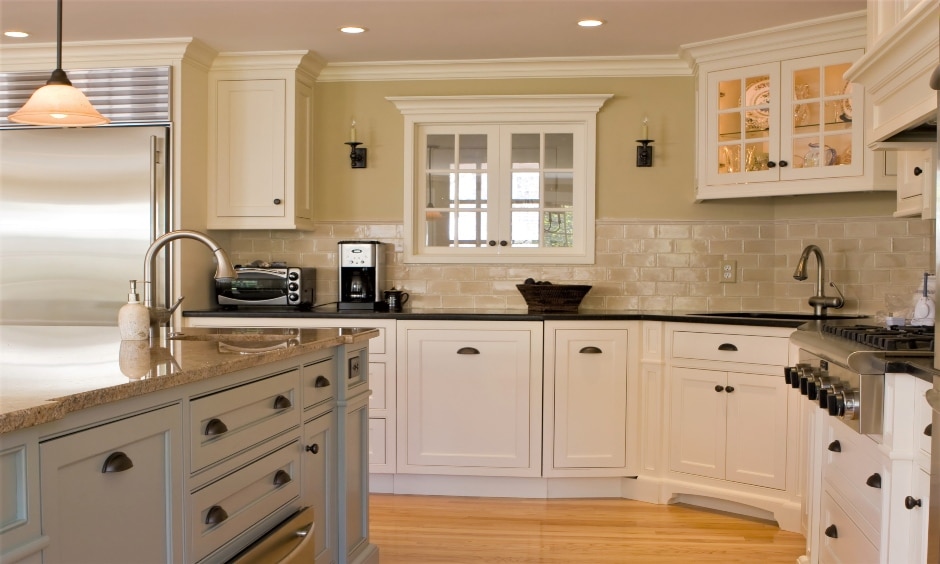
x=78, y=209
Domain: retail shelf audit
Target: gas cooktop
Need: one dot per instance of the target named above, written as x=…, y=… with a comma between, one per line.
x=894, y=338
x=865, y=349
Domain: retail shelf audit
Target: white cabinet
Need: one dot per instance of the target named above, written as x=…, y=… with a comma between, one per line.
x=586, y=393
x=778, y=122
x=470, y=398
x=917, y=177
x=729, y=425
x=122, y=482
x=260, y=141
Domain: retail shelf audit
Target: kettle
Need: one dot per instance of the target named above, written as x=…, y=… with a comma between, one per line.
x=395, y=299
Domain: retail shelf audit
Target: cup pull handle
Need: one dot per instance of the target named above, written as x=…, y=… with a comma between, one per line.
x=321, y=382
x=727, y=347
x=215, y=427
x=116, y=462
x=468, y=350
x=874, y=481
x=281, y=402
x=281, y=477
x=215, y=515
x=835, y=446
x=590, y=350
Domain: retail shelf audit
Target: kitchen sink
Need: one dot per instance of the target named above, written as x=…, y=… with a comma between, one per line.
x=777, y=315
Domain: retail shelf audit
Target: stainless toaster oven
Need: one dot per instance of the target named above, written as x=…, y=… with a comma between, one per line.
x=268, y=286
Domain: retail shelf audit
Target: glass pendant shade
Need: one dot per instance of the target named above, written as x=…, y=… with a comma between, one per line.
x=60, y=104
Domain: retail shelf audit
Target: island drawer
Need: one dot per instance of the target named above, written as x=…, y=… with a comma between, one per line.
x=226, y=508
x=236, y=419
x=319, y=382
x=728, y=347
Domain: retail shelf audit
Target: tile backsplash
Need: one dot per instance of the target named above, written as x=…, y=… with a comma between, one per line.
x=647, y=264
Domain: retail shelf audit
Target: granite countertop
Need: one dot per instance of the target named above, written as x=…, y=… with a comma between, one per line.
x=328, y=311
x=47, y=372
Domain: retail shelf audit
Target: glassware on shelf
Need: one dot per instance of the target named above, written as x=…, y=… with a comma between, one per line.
x=813, y=157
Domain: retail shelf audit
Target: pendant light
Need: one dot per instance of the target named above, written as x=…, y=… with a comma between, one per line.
x=58, y=102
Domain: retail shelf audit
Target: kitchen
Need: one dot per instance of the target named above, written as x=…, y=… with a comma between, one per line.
x=656, y=249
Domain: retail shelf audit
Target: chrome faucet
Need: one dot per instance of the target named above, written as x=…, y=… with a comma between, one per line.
x=159, y=316
x=819, y=301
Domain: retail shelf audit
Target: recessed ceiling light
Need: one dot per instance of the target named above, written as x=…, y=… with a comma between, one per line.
x=16, y=34
x=590, y=23
x=352, y=29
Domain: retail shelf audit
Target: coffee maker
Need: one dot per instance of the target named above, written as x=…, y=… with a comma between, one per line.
x=361, y=275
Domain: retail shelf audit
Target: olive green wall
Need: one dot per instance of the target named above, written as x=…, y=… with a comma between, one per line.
x=664, y=191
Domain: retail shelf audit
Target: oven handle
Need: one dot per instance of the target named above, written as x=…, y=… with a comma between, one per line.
x=291, y=542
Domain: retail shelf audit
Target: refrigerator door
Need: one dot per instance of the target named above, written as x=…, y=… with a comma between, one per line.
x=78, y=210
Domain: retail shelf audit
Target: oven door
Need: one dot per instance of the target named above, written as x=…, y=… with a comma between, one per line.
x=291, y=542
x=933, y=524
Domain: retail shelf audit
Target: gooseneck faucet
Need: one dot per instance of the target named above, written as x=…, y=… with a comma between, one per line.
x=224, y=271
x=819, y=301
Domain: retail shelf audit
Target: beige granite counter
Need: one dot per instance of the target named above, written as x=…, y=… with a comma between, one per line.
x=47, y=372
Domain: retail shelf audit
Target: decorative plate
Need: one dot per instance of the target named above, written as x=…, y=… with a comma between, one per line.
x=758, y=94
x=847, y=103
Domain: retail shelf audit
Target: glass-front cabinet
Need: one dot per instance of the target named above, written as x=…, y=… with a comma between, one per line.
x=785, y=121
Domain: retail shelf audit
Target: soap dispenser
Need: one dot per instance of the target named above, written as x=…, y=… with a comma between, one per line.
x=133, y=317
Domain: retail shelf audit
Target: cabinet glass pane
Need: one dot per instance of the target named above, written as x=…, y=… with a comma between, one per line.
x=756, y=156
x=559, y=189
x=525, y=190
x=456, y=229
x=729, y=159
x=558, y=228
x=441, y=151
x=757, y=103
x=525, y=150
x=729, y=95
x=559, y=150
x=525, y=229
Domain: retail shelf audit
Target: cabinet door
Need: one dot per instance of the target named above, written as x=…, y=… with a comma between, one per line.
x=250, y=166
x=121, y=482
x=918, y=504
x=590, y=409
x=916, y=175
x=698, y=418
x=469, y=400
x=757, y=430
x=353, y=483
x=320, y=484
x=742, y=127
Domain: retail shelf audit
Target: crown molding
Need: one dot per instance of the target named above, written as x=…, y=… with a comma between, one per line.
x=84, y=54
x=561, y=67
x=305, y=61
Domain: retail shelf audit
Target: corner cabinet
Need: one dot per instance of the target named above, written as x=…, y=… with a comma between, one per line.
x=784, y=122
x=260, y=141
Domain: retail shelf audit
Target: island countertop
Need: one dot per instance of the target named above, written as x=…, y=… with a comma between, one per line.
x=47, y=372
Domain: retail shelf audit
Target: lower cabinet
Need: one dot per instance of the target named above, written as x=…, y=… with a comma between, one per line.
x=469, y=395
x=729, y=425
x=112, y=493
x=319, y=452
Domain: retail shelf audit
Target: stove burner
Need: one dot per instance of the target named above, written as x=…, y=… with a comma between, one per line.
x=895, y=338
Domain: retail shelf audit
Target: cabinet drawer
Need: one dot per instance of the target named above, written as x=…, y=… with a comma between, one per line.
x=377, y=440
x=848, y=468
x=318, y=381
x=226, y=508
x=378, y=386
x=237, y=419
x=840, y=540
x=923, y=416
x=747, y=349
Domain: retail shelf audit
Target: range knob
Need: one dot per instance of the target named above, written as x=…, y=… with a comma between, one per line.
x=292, y=275
x=835, y=401
x=824, y=391
x=791, y=373
x=293, y=298
x=851, y=404
x=293, y=286
x=815, y=383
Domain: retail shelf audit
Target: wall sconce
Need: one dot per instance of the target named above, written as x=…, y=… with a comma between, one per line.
x=357, y=154
x=644, y=153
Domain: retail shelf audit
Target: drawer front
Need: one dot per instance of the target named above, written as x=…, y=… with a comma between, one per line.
x=747, y=349
x=855, y=471
x=378, y=386
x=840, y=540
x=319, y=382
x=377, y=440
x=237, y=419
x=922, y=418
x=226, y=508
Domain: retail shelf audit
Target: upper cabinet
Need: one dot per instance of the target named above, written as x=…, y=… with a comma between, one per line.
x=777, y=117
x=903, y=50
x=260, y=141
x=504, y=179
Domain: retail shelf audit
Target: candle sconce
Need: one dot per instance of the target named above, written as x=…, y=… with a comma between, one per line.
x=357, y=154
x=644, y=153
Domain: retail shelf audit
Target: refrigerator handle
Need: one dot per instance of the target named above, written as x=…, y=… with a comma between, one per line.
x=155, y=205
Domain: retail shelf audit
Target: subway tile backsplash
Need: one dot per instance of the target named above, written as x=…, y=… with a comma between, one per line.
x=646, y=264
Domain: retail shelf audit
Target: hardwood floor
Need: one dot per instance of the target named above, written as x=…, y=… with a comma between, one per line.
x=455, y=530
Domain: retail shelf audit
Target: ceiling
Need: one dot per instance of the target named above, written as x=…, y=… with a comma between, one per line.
x=416, y=30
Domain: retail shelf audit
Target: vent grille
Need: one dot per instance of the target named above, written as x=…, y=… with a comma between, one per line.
x=125, y=96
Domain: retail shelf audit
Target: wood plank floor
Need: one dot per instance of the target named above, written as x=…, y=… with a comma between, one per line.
x=456, y=530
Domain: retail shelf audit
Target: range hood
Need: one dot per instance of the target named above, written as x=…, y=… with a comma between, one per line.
x=920, y=133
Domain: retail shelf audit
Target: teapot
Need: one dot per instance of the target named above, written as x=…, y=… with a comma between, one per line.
x=395, y=299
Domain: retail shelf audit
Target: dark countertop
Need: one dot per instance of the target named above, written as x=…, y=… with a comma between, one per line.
x=780, y=319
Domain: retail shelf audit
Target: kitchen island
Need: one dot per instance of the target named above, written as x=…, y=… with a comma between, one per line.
x=183, y=450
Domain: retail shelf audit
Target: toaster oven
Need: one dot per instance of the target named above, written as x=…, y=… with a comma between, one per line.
x=268, y=286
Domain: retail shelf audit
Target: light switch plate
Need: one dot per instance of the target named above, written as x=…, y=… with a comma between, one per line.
x=729, y=271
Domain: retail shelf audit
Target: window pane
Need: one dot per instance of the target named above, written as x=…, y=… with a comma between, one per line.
x=472, y=151
x=441, y=151
x=525, y=229
x=525, y=150
x=525, y=190
x=559, y=150
x=559, y=230
x=559, y=189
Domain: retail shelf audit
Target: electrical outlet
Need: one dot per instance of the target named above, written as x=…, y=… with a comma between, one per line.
x=729, y=271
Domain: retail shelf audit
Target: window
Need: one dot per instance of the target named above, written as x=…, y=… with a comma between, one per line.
x=500, y=179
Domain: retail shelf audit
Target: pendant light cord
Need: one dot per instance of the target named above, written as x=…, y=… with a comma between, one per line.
x=58, y=35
